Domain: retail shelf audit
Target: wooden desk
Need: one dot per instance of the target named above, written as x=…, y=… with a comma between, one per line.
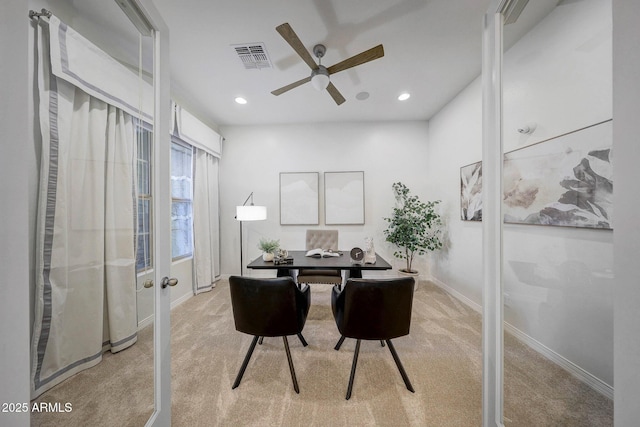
x=342, y=262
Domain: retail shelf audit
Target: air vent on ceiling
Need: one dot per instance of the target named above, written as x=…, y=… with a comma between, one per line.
x=253, y=55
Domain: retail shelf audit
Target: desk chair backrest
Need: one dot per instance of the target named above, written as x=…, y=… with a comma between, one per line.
x=268, y=307
x=374, y=309
x=325, y=239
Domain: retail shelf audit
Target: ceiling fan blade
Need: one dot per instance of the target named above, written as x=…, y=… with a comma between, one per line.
x=361, y=58
x=335, y=94
x=291, y=86
x=291, y=37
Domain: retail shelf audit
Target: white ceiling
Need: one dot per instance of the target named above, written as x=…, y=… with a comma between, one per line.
x=433, y=49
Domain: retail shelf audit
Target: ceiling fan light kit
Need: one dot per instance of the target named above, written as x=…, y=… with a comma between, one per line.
x=320, y=78
x=320, y=75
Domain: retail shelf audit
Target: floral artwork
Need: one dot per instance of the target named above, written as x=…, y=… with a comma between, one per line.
x=564, y=181
x=471, y=192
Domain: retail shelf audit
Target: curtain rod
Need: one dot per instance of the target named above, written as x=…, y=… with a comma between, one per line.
x=43, y=12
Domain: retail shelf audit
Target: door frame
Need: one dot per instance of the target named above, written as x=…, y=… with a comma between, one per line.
x=499, y=12
x=161, y=213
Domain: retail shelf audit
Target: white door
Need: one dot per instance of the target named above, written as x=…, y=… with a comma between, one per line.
x=86, y=219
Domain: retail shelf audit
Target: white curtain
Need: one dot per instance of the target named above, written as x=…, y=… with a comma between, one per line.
x=85, y=301
x=206, y=230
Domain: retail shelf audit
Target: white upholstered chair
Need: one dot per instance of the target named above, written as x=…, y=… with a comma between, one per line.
x=325, y=239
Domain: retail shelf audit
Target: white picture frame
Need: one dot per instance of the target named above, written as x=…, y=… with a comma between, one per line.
x=344, y=198
x=299, y=198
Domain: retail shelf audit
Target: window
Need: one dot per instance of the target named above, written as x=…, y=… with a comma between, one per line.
x=144, y=136
x=181, y=199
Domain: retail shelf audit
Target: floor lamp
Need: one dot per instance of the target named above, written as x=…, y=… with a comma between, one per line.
x=249, y=213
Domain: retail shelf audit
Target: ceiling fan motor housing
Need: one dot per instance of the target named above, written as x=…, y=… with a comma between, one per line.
x=319, y=50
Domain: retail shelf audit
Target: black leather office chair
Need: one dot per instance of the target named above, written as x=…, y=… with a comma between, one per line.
x=374, y=310
x=269, y=308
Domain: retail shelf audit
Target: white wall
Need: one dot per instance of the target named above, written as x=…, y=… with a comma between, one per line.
x=254, y=156
x=559, y=76
x=626, y=105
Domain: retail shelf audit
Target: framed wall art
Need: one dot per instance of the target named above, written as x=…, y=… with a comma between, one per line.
x=299, y=198
x=344, y=198
x=471, y=192
x=563, y=181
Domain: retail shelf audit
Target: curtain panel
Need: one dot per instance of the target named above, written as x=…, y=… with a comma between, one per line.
x=206, y=228
x=85, y=292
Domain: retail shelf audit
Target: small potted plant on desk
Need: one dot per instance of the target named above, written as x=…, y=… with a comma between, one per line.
x=414, y=227
x=268, y=248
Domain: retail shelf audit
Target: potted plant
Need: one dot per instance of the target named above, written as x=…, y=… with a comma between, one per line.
x=268, y=247
x=414, y=227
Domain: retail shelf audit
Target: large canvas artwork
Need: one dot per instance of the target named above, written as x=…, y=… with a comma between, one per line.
x=299, y=198
x=564, y=181
x=343, y=198
x=471, y=192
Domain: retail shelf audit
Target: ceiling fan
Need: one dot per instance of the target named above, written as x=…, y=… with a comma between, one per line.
x=319, y=77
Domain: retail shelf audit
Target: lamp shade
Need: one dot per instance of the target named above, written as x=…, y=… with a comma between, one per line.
x=251, y=213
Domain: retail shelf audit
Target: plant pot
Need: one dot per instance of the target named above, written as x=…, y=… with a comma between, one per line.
x=405, y=272
x=267, y=256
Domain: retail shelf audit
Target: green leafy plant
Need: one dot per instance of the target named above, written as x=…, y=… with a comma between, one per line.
x=414, y=226
x=268, y=245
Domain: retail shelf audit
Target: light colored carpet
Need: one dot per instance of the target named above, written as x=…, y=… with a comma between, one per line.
x=442, y=357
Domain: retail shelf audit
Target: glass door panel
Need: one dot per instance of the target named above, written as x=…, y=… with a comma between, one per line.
x=109, y=180
x=557, y=237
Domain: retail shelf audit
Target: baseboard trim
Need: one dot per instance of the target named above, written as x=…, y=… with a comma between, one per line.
x=463, y=298
x=182, y=299
x=592, y=381
x=145, y=322
x=149, y=320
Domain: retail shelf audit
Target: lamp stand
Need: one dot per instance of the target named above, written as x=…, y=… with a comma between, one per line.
x=241, y=262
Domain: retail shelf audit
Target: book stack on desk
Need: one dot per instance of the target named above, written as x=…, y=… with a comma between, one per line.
x=281, y=260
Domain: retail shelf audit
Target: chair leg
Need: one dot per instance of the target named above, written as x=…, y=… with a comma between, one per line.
x=260, y=340
x=381, y=343
x=293, y=372
x=302, y=340
x=353, y=369
x=245, y=363
x=340, y=341
x=400, y=367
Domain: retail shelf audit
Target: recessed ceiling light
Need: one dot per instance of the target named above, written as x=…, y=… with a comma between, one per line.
x=241, y=100
x=404, y=96
x=361, y=96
